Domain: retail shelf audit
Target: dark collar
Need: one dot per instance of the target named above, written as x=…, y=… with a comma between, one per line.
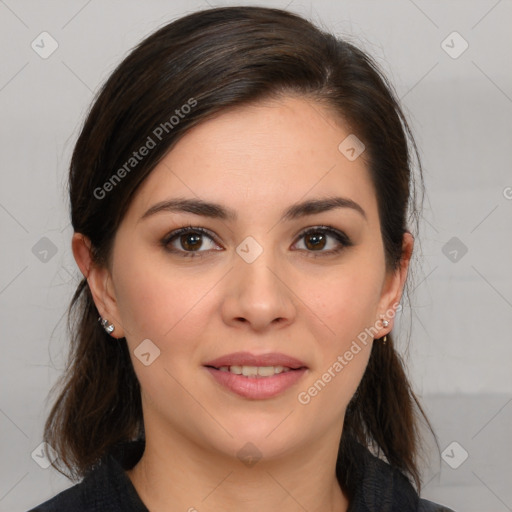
x=375, y=485
x=107, y=486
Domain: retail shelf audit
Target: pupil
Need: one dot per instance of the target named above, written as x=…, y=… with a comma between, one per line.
x=195, y=238
x=318, y=241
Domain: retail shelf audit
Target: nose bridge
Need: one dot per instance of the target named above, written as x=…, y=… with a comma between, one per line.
x=257, y=293
x=258, y=275
x=255, y=268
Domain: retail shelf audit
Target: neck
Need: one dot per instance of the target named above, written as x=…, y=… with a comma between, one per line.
x=175, y=474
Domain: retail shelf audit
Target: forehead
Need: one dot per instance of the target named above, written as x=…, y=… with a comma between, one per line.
x=261, y=156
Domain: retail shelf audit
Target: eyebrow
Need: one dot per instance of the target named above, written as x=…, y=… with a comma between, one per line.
x=217, y=211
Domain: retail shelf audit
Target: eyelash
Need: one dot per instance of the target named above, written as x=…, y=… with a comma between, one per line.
x=341, y=237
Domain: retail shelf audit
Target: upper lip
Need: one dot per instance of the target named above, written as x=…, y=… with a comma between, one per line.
x=248, y=359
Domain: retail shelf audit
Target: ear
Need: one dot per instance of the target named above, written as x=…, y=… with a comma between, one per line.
x=100, y=282
x=394, y=285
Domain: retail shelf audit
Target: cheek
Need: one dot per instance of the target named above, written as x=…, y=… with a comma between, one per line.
x=345, y=301
x=171, y=309
x=323, y=399
x=345, y=308
x=160, y=302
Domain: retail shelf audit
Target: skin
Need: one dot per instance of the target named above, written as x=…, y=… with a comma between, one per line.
x=258, y=160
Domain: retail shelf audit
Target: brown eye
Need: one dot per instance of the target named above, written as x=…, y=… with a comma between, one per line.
x=323, y=240
x=191, y=241
x=315, y=240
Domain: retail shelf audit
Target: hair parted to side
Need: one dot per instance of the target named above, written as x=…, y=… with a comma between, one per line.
x=212, y=60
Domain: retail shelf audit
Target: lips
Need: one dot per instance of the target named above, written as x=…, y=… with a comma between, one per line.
x=248, y=359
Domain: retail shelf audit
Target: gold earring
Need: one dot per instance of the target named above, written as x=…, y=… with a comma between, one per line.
x=385, y=323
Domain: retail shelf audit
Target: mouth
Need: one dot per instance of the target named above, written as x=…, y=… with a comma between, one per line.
x=255, y=371
x=256, y=377
x=248, y=360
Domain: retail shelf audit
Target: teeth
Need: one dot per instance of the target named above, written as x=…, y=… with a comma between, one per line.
x=266, y=371
x=255, y=371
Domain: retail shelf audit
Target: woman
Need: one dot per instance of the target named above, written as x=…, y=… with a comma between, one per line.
x=239, y=196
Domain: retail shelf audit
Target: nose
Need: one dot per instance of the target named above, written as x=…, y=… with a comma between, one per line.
x=258, y=295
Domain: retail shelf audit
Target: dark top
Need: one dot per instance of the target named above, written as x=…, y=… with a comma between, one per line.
x=379, y=487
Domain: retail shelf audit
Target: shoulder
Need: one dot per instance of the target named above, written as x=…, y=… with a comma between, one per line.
x=106, y=487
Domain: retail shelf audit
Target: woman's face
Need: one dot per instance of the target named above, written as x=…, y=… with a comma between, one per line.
x=251, y=281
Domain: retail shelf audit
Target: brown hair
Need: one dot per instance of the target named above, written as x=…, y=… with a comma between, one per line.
x=212, y=60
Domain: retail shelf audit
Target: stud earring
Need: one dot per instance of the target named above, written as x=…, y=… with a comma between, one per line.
x=109, y=328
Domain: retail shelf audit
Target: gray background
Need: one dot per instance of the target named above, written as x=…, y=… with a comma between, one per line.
x=460, y=108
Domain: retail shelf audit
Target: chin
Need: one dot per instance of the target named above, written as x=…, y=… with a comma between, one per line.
x=268, y=437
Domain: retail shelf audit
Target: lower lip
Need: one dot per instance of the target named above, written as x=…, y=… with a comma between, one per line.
x=257, y=388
